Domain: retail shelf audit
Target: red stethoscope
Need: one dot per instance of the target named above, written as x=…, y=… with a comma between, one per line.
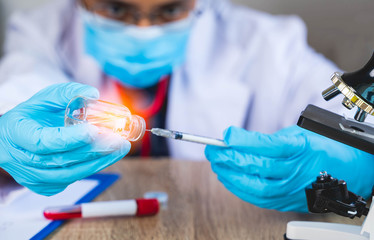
x=150, y=111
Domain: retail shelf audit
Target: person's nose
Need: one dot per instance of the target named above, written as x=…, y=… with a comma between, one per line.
x=144, y=22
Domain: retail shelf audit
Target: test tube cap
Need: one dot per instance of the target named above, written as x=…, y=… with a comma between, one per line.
x=147, y=207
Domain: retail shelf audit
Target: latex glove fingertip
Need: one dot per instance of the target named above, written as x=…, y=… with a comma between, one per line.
x=90, y=92
x=228, y=131
x=46, y=191
x=71, y=90
x=125, y=147
x=235, y=135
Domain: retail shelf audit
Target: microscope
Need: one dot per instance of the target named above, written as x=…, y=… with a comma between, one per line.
x=328, y=194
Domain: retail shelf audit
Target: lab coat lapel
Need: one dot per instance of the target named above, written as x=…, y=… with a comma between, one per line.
x=82, y=67
x=205, y=95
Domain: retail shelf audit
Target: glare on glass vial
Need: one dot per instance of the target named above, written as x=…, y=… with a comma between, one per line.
x=106, y=116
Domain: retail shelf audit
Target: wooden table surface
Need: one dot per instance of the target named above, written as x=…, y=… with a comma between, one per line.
x=199, y=207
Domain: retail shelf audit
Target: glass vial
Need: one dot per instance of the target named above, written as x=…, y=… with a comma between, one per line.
x=107, y=116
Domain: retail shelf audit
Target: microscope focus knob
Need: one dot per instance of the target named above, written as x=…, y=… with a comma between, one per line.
x=348, y=103
x=360, y=115
x=330, y=93
x=357, y=88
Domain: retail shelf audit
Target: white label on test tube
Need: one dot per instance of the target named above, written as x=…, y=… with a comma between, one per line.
x=114, y=208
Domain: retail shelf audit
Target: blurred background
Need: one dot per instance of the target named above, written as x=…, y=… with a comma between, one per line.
x=340, y=29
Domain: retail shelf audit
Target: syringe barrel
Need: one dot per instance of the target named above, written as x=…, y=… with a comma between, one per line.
x=202, y=140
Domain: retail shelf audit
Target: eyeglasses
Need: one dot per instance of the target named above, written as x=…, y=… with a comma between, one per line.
x=130, y=14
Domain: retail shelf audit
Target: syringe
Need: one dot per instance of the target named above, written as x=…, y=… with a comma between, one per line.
x=187, y=137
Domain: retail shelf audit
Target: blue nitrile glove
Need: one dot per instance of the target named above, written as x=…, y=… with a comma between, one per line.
x=272, y=170
x=43, y=155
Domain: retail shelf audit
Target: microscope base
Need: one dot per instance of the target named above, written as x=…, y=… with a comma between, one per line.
x=298, y=230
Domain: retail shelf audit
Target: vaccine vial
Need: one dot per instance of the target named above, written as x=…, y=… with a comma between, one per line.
x=108, y=117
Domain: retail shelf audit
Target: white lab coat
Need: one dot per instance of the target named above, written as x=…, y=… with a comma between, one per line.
x=244, y=68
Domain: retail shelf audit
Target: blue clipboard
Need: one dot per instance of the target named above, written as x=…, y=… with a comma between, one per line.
x=105, y=180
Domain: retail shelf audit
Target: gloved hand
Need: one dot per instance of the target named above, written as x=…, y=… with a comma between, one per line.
x=43, y=155
x=272, y=171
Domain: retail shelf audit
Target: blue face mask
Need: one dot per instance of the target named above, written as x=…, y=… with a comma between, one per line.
x=137, y=57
